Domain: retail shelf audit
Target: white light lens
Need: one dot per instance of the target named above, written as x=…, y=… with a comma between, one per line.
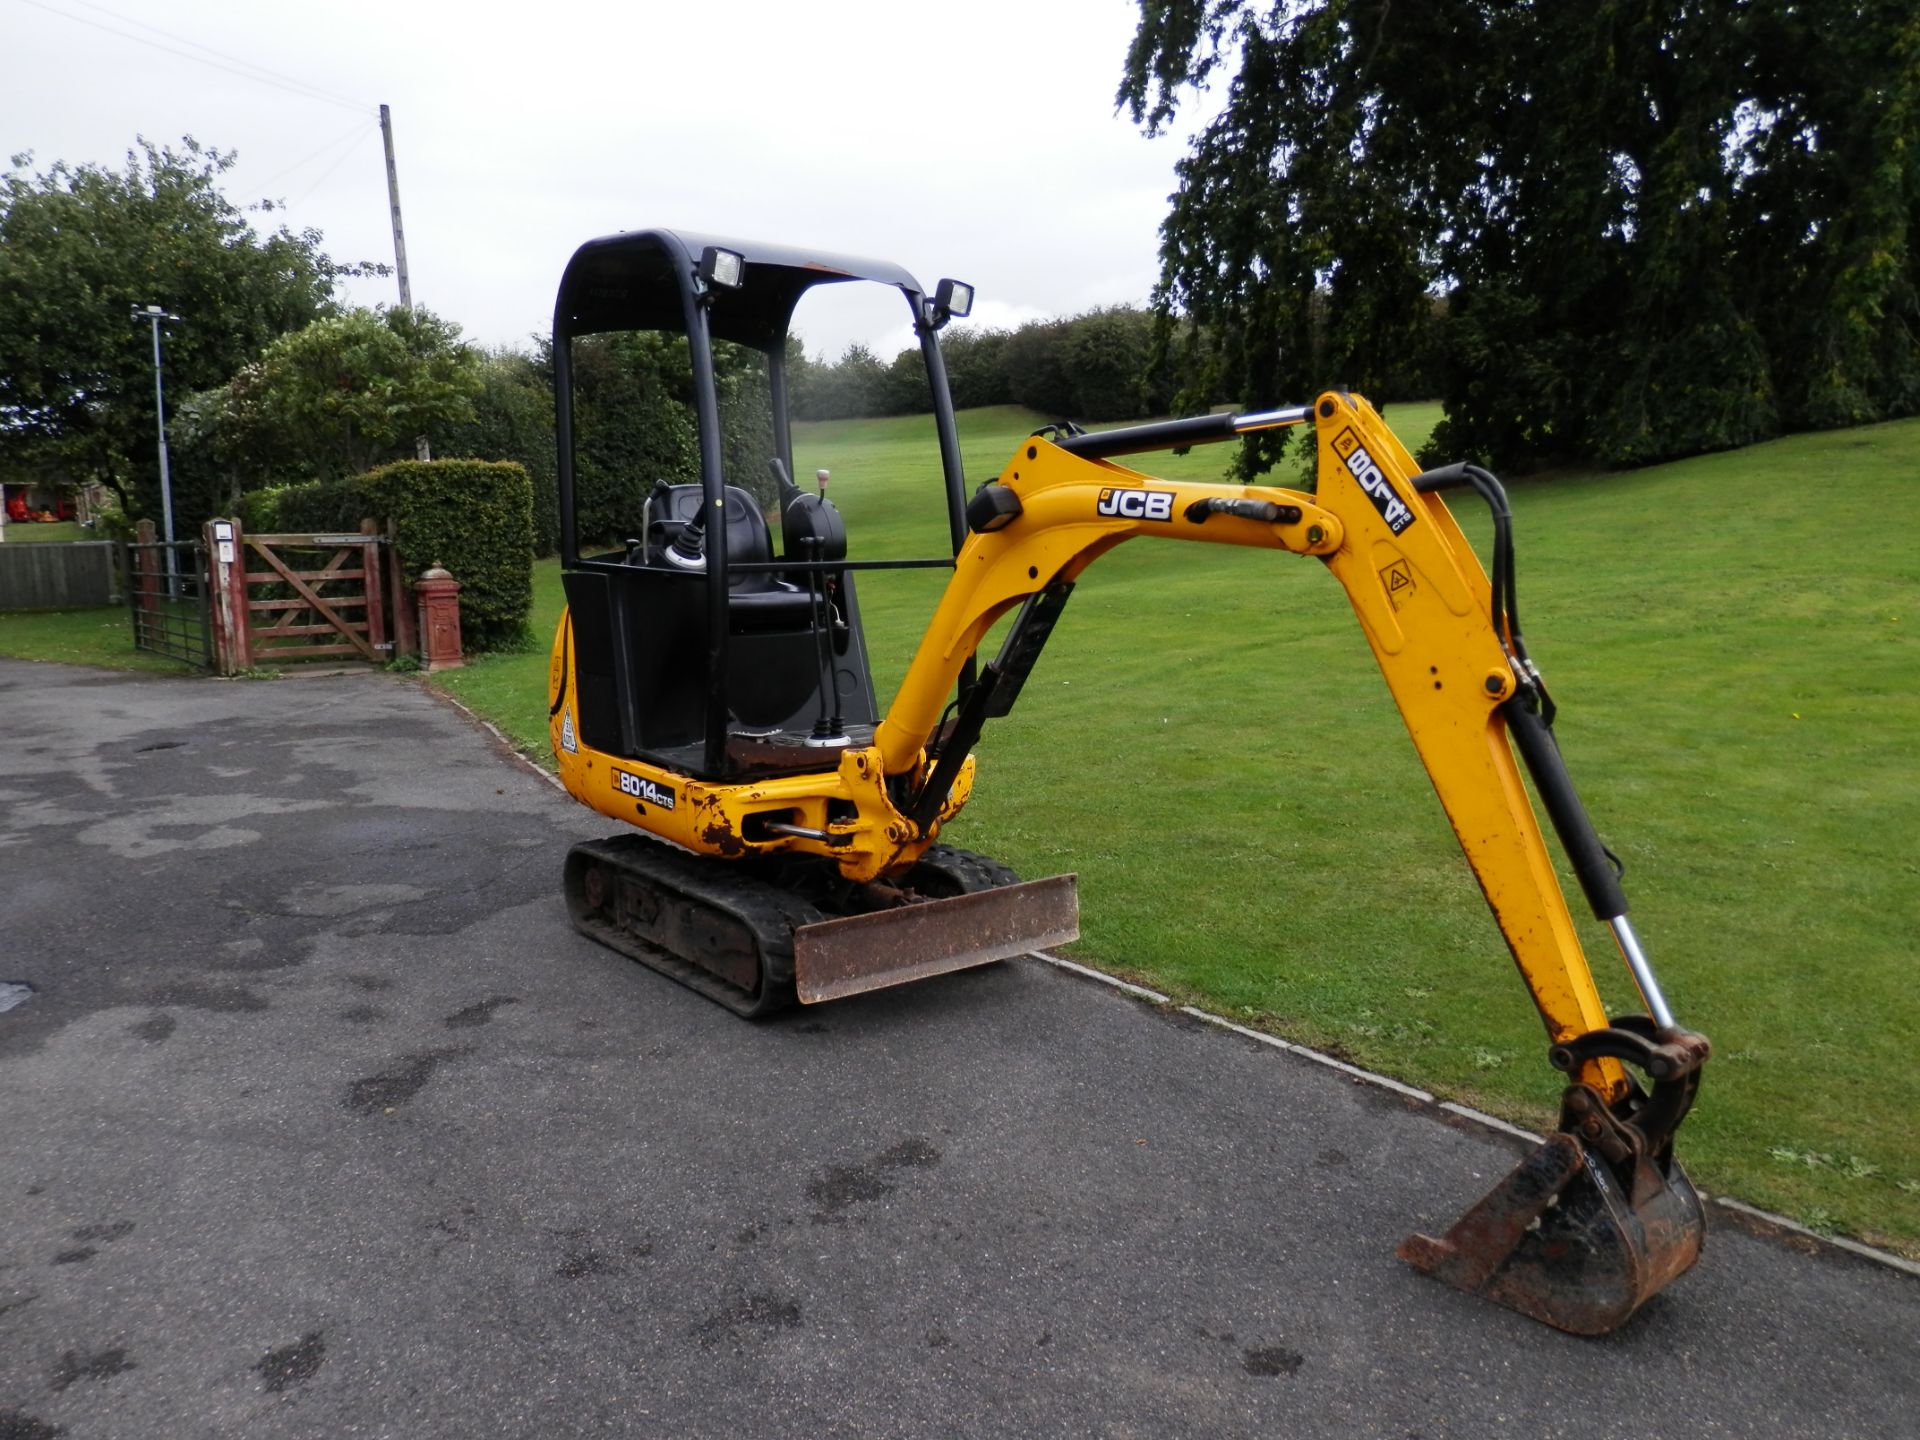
x=729, y=268
x=953, y=297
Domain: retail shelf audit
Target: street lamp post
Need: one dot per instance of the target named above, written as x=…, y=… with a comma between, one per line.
x=155, y=314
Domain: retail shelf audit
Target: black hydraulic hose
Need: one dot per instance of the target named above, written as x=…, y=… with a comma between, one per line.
x=1591, y=863
x=1489, y=488
x=1506, y=595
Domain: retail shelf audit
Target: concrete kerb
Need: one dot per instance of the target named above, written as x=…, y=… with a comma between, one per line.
x=1750, y=1213
x=519, y=756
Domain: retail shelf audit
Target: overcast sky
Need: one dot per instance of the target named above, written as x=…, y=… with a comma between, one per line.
x=979, y=141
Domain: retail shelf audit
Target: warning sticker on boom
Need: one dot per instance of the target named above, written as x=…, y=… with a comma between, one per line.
x=1373, y=480
x=1398, y=578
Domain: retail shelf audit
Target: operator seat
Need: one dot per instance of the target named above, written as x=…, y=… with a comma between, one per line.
x=756, y=600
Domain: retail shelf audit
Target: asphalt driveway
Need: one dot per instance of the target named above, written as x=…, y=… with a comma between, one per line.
x=321, y=1121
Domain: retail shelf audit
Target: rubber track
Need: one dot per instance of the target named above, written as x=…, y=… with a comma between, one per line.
x=769, y=914
x=969, y=872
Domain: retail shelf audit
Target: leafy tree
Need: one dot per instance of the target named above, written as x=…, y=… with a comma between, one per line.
x=1107, y=355
x=513, y=420
x=1095, y=366
x=851, y=386
x=1657, y=227
x=976, y=369
x=1098, y=366
x=79, y=247
x=903, y=389
x=336, y=398
x=633, y=428
x=1036, y=367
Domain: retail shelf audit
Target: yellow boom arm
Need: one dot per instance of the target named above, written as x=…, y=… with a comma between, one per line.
x=1423, y=602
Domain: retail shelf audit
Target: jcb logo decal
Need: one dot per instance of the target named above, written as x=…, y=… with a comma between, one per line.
x=1371, y=479
x=1137, y=504
x=647, y=792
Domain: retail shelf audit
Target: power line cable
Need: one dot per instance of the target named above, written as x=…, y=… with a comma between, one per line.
x=253, y=72
x=221, y=54
x=352, y=134
x=344, y=156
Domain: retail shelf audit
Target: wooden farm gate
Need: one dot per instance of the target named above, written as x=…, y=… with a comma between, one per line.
x=284, y=598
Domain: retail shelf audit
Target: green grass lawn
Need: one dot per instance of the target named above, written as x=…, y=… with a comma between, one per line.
x=100, y=636
x=1208, y=743
x=45, y=531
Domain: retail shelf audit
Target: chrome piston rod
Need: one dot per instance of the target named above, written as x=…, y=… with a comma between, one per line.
x=1642, y=969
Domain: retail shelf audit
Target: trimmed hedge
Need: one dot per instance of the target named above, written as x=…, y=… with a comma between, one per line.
x=475, y=517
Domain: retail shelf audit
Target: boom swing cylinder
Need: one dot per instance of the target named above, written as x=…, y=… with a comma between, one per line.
x=819, y=816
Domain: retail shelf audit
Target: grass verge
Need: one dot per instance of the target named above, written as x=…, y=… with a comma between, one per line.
x=44, y=531
x=101, y=636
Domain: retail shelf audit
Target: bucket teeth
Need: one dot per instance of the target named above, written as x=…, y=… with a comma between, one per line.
x=1560, y=1239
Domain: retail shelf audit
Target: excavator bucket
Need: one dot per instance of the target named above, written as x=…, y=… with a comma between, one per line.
x=833, y=958
x=1562, y=1240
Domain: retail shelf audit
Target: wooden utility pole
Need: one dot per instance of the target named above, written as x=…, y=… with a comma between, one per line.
x=393, y=200
x=420, y=446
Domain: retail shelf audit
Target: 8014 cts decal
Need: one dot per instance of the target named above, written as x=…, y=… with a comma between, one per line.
x=1378, y=488
x=647, y=792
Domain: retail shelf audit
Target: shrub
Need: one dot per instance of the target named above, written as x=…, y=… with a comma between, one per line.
x=976, y=369
x=1106, y=352
x=850, y=387
x=475, y=517
x=1038, y=376
x=513, y=420
x=632, y=428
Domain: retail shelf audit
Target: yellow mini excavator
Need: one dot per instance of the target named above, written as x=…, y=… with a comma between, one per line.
x=783, y=840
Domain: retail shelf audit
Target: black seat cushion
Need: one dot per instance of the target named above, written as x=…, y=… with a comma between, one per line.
x=670, y=507
x=757, y=600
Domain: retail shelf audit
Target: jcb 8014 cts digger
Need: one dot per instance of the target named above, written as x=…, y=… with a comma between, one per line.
x=715, y=696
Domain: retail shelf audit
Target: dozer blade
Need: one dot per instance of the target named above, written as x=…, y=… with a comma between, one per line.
x=832, y=958
x=1561, y=1241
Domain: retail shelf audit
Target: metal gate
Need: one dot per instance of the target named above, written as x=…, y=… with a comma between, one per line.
x=167, y=597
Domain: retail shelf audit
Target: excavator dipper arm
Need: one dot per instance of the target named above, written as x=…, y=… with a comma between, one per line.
x=1582, y=1233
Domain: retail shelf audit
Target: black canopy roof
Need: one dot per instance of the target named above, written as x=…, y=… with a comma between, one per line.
x=638, y=280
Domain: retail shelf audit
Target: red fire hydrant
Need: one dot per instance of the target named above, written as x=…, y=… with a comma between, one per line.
x=439, y=596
